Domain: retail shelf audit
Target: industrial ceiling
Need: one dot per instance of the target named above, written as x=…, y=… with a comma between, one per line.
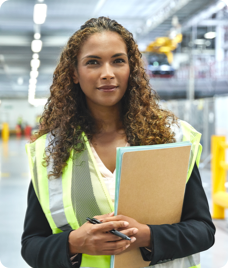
x=146, y=19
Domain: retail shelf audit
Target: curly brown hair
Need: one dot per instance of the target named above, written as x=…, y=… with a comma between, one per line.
x=66, y=114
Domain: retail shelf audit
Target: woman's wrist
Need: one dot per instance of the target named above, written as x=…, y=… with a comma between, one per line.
x=74, y=243
x=144, y=236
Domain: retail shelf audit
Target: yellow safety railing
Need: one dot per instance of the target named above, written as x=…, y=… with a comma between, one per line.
x=219, y=168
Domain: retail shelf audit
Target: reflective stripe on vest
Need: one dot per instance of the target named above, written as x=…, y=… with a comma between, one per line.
x=65, y=200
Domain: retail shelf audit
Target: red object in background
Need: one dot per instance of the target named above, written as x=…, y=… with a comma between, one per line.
x=28, y=131
x=18, y=131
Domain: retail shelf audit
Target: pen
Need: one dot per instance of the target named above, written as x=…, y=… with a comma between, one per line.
x=95, y=221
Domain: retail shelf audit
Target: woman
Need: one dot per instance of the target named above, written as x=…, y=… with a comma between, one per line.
x=101, y=99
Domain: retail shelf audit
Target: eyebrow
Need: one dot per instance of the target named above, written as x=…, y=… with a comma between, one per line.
x=96, y=57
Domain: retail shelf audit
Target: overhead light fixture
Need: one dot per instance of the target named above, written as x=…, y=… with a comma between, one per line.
x=210, y=35
x=32, y=86
x=32, y=81
x=32, y=91
x=35, y=56
x=148, y=22
x=34, y=74
x=40, y=13
x=172, y=4
x=35, y=63
x=221, y=4
x=20, y=81
x=37, y=35
x=39, y=102
x=36, y=45
x=1, y=2
x=225, y=1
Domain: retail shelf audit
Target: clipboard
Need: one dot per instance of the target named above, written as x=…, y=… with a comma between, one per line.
x=150, y=187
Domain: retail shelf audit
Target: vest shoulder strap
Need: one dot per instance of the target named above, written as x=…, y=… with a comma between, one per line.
x=185, y=132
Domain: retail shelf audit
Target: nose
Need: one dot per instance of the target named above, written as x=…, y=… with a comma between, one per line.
x=107, y=72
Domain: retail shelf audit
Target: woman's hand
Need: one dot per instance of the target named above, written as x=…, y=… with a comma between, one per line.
x=95, y=239
x=143, y=236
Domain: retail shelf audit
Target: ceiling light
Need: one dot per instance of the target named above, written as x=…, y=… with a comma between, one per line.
x=20, y=81
x=35, y=63
x=1, y=2
x=34, y=74
x=35, y=56
x=39, y=102
x=34, y=69
x=32, y=86
x=221, y=5
x=31, y=95
x=40, y=13
x=30, y=101
x=172, y=4
x=210, y=35
x=225, y=1
x=149, y=22
x=32, y=81
x=36, y=45
x=37, y=35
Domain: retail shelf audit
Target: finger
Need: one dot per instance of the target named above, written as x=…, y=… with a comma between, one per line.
x=116, y=245
x=116, y=251
x=108, y=226
x=115, y=218
x=102, y=217
x=130, y=232
x=109, y=237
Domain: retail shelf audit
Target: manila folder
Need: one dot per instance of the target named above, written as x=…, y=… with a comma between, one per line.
x=152, y=187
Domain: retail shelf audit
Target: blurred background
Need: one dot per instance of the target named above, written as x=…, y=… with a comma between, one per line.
x=184, y=45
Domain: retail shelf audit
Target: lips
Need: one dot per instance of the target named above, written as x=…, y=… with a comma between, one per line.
x=107, y=88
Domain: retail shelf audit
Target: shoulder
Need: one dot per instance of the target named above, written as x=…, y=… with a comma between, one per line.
x=44, y=139
x=184, y=131
x=36, y=145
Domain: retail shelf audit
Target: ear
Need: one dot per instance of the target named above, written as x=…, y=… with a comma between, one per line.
x=75, y=77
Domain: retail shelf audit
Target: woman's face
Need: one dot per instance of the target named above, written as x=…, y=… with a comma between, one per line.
x=103, y=69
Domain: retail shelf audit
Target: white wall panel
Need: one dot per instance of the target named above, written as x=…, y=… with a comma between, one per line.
x=10, y=110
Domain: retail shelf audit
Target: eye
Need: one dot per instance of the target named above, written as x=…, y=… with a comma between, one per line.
x=92, y=62
x=119, y=61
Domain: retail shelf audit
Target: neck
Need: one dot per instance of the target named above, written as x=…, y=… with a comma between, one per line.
x=108, y=119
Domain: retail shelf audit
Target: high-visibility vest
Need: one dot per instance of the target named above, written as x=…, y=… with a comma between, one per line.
x=80, y=191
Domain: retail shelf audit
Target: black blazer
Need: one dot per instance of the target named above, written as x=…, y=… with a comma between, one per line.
x=195, y=233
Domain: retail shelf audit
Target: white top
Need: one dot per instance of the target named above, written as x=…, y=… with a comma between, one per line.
x=108, y=176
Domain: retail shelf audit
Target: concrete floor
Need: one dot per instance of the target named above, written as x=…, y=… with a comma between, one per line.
x=14, y=181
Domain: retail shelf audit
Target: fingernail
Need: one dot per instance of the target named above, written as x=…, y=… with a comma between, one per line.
x=133, y=239
x=135, y=230
x=128, y=246
x=126, y=223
